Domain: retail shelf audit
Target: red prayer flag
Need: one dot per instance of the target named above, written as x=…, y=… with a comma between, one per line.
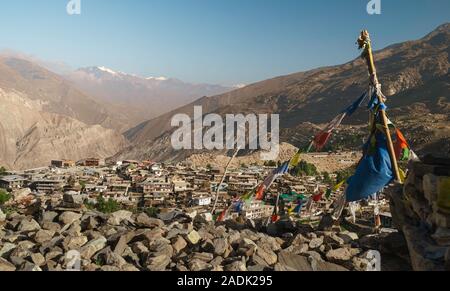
x=318, y=197
x=400, y=144
x=222, y=216
x=275, y=218
x=260, y=193
x=321, y=140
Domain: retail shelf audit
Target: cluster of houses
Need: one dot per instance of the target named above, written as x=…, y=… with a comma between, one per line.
x=137, y=184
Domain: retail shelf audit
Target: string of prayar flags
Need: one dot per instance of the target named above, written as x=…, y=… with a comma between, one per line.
x=377, y=168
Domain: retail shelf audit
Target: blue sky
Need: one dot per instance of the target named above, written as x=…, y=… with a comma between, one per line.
x=215, y=41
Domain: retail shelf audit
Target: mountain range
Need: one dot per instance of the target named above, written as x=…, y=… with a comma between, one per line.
x=415, y=78
x=100, y=112
x=147, y=98
x=43, y=117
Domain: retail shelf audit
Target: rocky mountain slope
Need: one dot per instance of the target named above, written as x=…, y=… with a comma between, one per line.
x=44, y=118
x=144, y=98
x=415, y=76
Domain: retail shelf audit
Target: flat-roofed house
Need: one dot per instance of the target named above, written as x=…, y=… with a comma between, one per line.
x=12, y=182
x=46, y=186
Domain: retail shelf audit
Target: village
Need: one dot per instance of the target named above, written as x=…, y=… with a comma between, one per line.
x=159, y=189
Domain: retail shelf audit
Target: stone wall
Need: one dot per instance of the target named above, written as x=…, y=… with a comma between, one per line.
x=421, y=210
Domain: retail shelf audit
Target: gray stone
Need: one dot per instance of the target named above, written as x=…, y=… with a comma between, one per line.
x=20, y=252
x=129, y=268
x=117, y=217
x=6, y=266
x=53, y=255
x=158, y=263
x=297, y=249
x=139, y=248
x=69, y=217
x=329, y=267
x=52, y=226
x=197, y=265
x=107, y=268
x=300, y=240
x=360, y=264
x=316, y=242
x=90, y=223
x=339, y=255
x=237, y=266
x=123, y=241
x=220, y=246
x=114, y=259
x=256, y=268
x=267, y=255
x=207, y=246
x=6, y=249
x=143, y=220
x=74, y=229
x=2, y=216
x=334, y=239
x=49, y=216
x=234, y=237
x=43, y=236
x=257, y=260
x=30, y=267
x=38, y=259
x=247, y=243
x=74, y=242
x=290, y=262
x=179, y=244
x=205, y=257
x=313, y=256
x=93, y=247
x=28, y=225
x=193, y=237
x=161, y=247
x=217, y=261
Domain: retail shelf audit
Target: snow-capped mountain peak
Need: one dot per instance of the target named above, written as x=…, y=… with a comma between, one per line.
x=157, y=78
x=107, y=70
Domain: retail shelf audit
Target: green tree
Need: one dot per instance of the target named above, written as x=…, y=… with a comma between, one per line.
x=305, y=169
x=326, y=178
x=83, y=185
x=345, y=174
x=107, y=206
x=4, y=197
x=152, y=212
x=2, y=171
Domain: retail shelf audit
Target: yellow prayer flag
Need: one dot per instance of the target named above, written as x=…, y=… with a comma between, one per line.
x=402, y=176
x=338, y=186
x=295, y=160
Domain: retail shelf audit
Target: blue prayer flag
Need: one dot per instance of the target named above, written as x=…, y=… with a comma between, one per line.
x=373, y=173
x=352, y=108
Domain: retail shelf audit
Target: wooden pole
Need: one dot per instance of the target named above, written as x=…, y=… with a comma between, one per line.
x=365, y=43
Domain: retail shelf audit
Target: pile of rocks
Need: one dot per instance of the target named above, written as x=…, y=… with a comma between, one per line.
x=421, y=210
x=51, y=240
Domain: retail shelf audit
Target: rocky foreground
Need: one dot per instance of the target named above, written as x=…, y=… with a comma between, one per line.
x=123, y=241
